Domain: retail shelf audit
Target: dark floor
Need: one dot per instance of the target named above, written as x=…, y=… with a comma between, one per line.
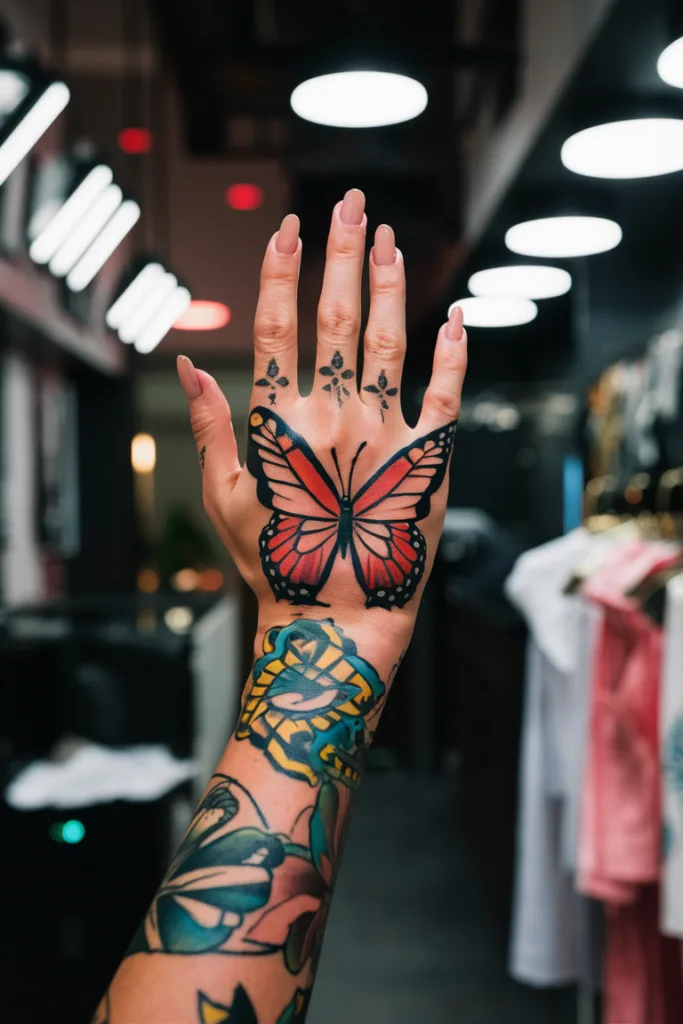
x=409, y=939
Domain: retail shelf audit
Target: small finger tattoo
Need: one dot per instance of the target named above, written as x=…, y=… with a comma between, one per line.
x=202, y=457
x=272, y=380
x=383, y=391
x=338, y=375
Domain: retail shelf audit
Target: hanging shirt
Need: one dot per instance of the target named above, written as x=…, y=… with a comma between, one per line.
x=547, y=939
x=619, y=852
x=672, y=761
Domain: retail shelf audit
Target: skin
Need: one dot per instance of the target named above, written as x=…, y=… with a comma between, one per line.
x=164, y=987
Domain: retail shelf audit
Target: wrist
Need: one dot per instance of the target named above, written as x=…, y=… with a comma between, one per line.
x=381, y=637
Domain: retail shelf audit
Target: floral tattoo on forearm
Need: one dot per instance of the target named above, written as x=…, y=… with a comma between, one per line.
x=239, y=887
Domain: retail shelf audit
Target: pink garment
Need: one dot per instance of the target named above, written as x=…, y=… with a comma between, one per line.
x=619, y=846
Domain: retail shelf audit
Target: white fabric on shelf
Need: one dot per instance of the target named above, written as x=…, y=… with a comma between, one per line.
x=672, y=761
x=93, y=774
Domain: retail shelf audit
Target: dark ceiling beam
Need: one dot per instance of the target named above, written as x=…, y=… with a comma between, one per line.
x=449, y=56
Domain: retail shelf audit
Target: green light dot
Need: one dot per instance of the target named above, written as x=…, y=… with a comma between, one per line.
x=73, y=831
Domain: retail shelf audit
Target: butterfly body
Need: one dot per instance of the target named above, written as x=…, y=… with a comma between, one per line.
x=315, y=520
x=345, y=525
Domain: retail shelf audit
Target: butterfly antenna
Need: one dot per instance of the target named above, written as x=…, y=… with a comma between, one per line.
x=336, y=463
x=353, y=464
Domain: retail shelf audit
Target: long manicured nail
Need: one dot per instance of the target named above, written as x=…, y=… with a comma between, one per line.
x=287, y=238
x=353, y=207
x=384, y=250
x=189, y=381
x=454, y=327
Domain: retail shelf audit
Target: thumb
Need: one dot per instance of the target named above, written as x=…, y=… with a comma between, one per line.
x=212, y=427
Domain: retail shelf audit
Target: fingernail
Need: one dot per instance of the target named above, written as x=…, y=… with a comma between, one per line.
x=454, y=325
x=189, y=381
x=384, y=251
x=353, y=207
x=287, y=238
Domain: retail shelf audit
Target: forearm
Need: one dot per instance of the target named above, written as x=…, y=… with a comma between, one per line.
x=238, y=921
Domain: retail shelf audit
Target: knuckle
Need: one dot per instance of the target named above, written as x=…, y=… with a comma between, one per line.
x=272, y=328
x=443, y=403
x=342, y=250
x=202, y=424
x=338, y=321
x=383, y=343
x=387, y=284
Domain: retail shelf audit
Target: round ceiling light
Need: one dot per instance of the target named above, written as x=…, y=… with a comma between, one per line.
x=562, y=237
x=670, y=64
x=496, y=311
x=640, y=148
x=202, y=315
x=359, y=99
x=524, y=281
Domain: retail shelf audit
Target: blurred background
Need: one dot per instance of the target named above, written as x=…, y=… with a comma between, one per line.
x=517, y=856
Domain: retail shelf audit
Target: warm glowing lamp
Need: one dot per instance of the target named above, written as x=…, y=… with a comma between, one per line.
x=203, y=315
x=143, y=453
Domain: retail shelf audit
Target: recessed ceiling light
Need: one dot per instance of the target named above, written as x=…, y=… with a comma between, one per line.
x=359, y=99
x=670, y=64
x=496, y=311
x=202, y=315
x=562, y=237
x=640, y=148
x=524, y=281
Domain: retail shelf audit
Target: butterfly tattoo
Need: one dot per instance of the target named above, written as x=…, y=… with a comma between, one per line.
x=315, y=520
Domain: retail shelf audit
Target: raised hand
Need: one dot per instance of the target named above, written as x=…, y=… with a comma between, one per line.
x=340, y=503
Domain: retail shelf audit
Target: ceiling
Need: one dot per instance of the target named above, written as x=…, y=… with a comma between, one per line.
x=236, y=65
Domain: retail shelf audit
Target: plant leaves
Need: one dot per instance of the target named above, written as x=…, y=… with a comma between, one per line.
x=347, y=374
x=392, y=391
x=326, y=371
x=273, y=368
x=372, y=389
x=346, y=392
x=282, y=381
x=262, y=383
x=382, y=380
x=337, y=361
x=327, y=387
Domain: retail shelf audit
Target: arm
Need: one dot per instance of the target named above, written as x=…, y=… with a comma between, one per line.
x=235, y=930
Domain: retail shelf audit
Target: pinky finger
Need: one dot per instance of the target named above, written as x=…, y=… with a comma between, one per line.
x=441, y=402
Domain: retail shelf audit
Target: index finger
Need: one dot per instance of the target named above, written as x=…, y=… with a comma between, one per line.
x=275, y=323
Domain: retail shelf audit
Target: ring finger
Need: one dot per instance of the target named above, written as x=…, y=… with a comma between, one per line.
x=385, y=335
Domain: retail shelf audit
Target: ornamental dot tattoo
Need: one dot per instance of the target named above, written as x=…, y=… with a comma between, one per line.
x=383, y=391
x=337, y=374
x=272, y=381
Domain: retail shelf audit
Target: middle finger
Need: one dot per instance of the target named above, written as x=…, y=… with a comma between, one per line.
x=340, y=300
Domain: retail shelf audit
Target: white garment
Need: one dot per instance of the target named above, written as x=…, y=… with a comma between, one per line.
x=672, y=761
x=547, y=910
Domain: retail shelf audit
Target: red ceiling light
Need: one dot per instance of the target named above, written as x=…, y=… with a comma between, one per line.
x=202, y=315
x=135, y=141
x=244, y=196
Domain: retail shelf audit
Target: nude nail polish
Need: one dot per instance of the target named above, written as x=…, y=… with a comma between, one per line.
x=287, y=238
x=454, y=327
x=189, y=381
x=384, y=251
x=353, y=207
